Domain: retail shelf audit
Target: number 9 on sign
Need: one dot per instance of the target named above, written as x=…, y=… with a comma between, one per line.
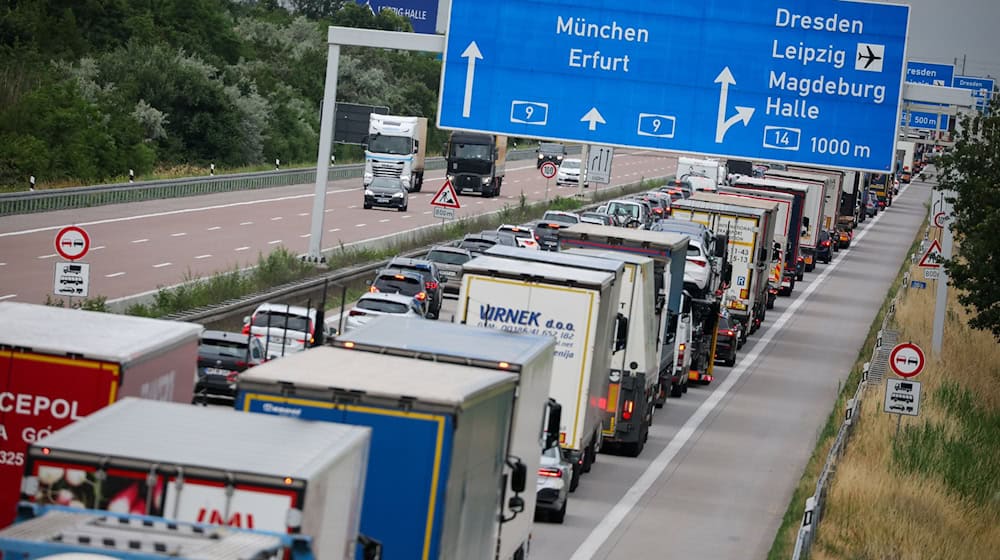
x=661, y=126
x=529, y=112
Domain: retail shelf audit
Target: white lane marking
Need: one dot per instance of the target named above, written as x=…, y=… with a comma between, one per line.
x=353, y=206
x=305, y=235
x=334, y=230
x=241, y=249
x=161, y=265
x=179, y=234
x=479, y=202
x=301, y=214
x=114, y=275
x=427, y=212
x=600, y=534
x=48, y=256
x=199, y=257
x=246, y=223
x=328, y=210
x=3, y=264
x=406, y=216
x=275, y=242
x=360, y=225
x=98, y=248
x=383, y=221
x=8, y=296
x=214, y=228
x=139, y=240
x=276, y=218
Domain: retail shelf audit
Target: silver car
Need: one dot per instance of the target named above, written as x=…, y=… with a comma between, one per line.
x=450, y=261
x=377, y=303
x=552, y=486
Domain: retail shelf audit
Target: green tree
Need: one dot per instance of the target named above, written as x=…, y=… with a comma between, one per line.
x=971, y=169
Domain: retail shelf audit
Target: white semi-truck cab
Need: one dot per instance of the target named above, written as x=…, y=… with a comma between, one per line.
x=395, y=148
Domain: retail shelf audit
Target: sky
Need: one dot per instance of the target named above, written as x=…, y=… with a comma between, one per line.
x=944, y=30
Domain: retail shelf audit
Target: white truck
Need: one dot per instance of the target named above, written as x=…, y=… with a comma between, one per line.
x=208, y=465
x=834, y=191
x=528, y=357
x=812, y=210
x=905, y=152
x=575, y=307
x=749, y=224
x=395, y=148
x=782, y=276
x=701, y=167
x=632, y=379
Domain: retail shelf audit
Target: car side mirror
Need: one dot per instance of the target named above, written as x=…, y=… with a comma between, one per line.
x=368, y=282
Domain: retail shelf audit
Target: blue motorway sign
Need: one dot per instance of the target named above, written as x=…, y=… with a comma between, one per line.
x=924, y=121
x=421, y=13
x=813, y=82
x=929, y=73
x=982, y=88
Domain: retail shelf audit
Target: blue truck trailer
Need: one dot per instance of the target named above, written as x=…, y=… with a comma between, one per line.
x=438, y=446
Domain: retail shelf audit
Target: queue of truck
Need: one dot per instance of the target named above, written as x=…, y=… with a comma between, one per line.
x=552, y=358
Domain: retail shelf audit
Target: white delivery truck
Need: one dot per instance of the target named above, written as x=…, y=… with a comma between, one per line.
x=528, y=357
x=208, y=465
x=688, y=167
x=812, y=210
x=834, y=191
x=575, y=307
x=396, y=148
x=631, y=390
x=782, y=275
x=749, y=224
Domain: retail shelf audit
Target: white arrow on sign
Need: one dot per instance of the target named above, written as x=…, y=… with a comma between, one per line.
x=472, y=53
x=742, y=113
x=593, y=117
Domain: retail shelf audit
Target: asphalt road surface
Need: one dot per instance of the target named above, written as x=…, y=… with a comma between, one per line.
x=722, y=462
x=136, y=248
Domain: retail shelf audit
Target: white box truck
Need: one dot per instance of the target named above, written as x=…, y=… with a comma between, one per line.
x=782, y=276
x=396, y=148
x=575, y=307
x=689, y=169
x=208, y=465
x=834, y=191
x=530, y=358
x=812, y=210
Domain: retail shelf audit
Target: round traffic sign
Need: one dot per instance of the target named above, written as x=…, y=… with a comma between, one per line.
x=548, y=170
x=906, y=359
x=939, y=220
x=72, y=243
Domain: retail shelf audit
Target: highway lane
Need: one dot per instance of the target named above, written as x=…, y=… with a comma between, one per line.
x=142, y=246
x=722, y=462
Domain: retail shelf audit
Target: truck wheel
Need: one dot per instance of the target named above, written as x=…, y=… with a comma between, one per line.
x=676, y=390
x=634, y=448
x=588, y=457
x=684, y=384
x=574, y=479
x=560, y=516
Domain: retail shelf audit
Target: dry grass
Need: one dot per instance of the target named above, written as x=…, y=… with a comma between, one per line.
x=935, y=493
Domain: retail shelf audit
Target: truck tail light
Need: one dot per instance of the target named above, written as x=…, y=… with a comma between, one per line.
x=627, y=410
x=549, y=472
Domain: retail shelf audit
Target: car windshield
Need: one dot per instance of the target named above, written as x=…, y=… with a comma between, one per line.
x=479, y=245
x=406, y=285
x=520, y=233
x=570, y=164
x=619, y=209
x=386, y=183
x=546, y=148
x=447, y=257
x=383, y=144
x=229, y=348
x=279, y=320
x=470, y=151
x=382, y=306
x=561, y=218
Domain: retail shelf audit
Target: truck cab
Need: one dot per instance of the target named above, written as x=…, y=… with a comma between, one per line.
x=476, y=162
x=395, y=148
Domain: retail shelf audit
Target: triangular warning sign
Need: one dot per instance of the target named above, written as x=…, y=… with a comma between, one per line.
x=446, y=197
x=932, y=258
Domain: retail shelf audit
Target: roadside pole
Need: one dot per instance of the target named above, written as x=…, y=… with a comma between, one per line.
x=583, y=170
x=941, y=301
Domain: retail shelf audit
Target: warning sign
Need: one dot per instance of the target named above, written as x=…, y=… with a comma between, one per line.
x=446, y=197
x=932, y=258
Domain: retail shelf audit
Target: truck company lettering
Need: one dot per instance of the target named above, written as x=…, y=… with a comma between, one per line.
x=214, y=517
x=506, y=315
x=786, y=18
x=33, y=405
x=282, y=410
x=596, y=60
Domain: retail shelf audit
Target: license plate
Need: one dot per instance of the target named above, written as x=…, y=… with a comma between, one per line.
x=448, y=273
x=277, y=340
x=383, y=200
x=216, y=371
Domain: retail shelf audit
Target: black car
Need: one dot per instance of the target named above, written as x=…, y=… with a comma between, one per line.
x=727, y=342
x=433, y=281
x=222, y=356
x=386, y=192
x=824, y=248
x=550, y=152
x=398, y=281
x=547, y=233
x=478, y=243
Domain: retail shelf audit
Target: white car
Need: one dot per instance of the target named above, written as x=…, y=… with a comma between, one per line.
x=525, y=237
x=282, y=329
x=374, y=304
x=569, y=173
x=552, y=486
x=558, y=216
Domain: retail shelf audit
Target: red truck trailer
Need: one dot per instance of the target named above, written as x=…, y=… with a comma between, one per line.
x=59, y=365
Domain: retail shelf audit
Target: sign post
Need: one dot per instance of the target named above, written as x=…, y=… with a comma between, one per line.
x=72, y=278
x=820, y=87
x=445, y=202
x=548, y=170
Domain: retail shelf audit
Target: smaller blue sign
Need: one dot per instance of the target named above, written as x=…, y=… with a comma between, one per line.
x=982, y=88
x=929, y=73
x=925, y=121
x=918, y=284
x=421, y=13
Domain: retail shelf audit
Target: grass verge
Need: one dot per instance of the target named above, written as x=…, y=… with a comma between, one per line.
x=784, y=540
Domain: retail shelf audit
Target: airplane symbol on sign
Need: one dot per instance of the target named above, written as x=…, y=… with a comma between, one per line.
x=872, y=56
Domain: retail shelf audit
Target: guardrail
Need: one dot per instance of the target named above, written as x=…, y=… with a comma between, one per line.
x=872, y=376
x=118, y=193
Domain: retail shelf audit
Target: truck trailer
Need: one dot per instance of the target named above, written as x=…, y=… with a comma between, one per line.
x=396, y=148
x=834, y=191
x=575, y=307
x=208, y=465
x=812, y=210
x=476, y=162
x=63, y=364
x=529, y=357
x=438, y=444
